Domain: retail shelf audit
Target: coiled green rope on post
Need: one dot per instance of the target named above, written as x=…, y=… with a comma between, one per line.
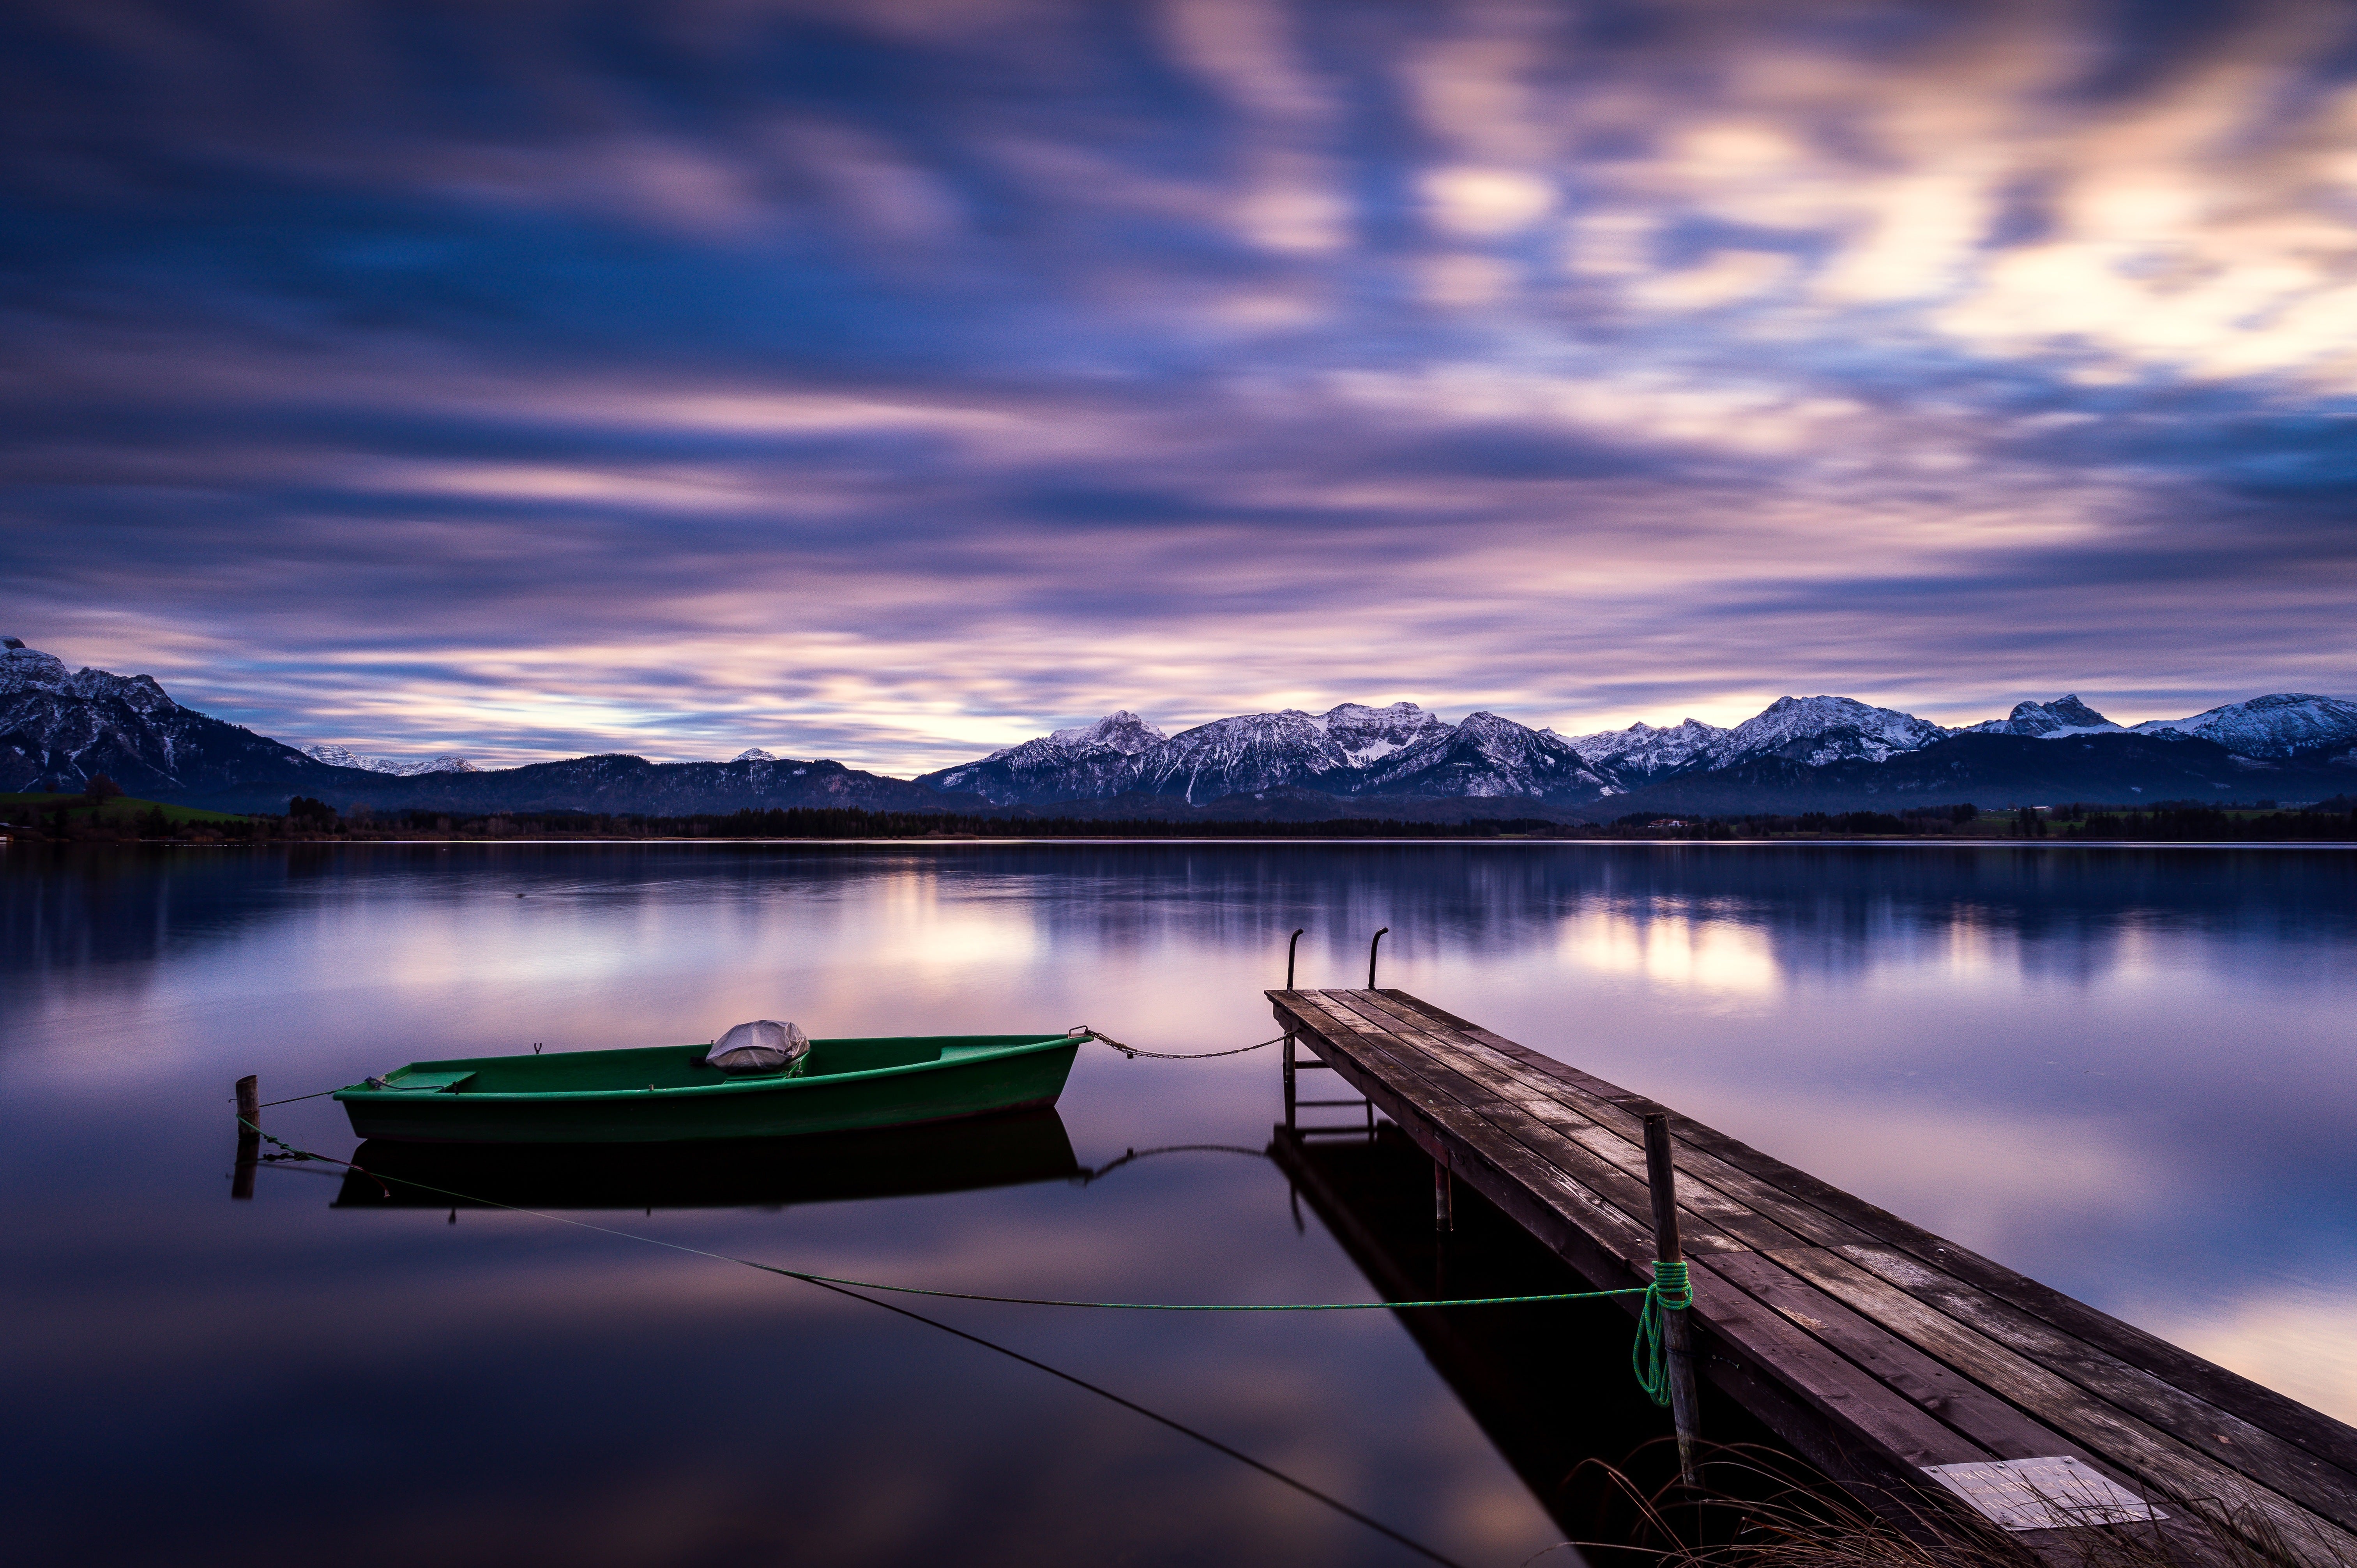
x=1671, y=1291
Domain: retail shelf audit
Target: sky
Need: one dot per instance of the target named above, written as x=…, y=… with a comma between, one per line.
x=894, y=380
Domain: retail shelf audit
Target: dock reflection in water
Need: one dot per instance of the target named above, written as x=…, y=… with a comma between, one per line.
x=1549, y=1383
x=1012, y=1150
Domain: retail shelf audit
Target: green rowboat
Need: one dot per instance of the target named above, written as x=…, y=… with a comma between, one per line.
x=667, y=1094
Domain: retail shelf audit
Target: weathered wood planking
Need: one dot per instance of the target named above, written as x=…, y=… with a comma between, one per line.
x=1872, y=1345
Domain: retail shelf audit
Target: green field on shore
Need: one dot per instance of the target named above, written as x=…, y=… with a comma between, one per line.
x=78, y=808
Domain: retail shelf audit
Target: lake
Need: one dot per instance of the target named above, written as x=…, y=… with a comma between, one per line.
x=2128, y=1072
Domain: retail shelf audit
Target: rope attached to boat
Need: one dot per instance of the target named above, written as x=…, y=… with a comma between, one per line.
x=1086, y=1177
x=1659, y=1289
x=1084, y=1032
x=1668, y=1291
x=292, y=1099
x=851, y=1288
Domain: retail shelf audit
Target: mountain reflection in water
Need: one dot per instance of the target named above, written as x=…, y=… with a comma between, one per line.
x=2125, y=1071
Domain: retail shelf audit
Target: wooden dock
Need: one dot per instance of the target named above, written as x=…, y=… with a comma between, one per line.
x=1871, y=1346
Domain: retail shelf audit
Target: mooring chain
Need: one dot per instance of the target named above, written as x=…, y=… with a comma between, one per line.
x=1084, y=1032
x=295, y=1153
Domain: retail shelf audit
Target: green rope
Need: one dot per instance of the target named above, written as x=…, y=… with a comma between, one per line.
x=1668, y=1290
x=1201, y=1306
x=1671, y=1291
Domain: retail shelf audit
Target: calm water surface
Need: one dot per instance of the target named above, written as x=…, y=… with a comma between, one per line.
x=2126, y=1072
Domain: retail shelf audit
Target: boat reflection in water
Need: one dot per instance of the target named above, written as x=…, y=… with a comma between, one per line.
x=905, y=1162
x=1549, y=1383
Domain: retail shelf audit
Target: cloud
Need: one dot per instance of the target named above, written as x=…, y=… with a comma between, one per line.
x=889, y=382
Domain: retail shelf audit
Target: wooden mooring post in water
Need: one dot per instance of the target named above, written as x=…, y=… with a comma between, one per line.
x=1903, y=1365
x=249, y=1135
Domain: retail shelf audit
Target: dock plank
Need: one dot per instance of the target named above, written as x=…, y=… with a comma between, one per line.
x=1865, y=1412
x=2221, y=1436
x=1823, y=1378
x=1715, y=1215
x=2162, y=1462
x=2321, y=1436
x=1611, y=1108
x=1882, y=1346
x=1717, y=1225
x=1941, y=1391
x=1445, y=1128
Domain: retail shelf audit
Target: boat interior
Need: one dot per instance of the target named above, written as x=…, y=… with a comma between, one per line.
x=680, y=1066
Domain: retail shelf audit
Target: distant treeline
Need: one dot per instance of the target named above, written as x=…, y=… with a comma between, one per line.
x=310, y=820
x=1916, y=821
x=2167, y=820
x=848, y=822
x=2161, y=821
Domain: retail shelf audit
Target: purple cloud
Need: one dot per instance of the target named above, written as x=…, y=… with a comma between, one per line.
x=895, y=382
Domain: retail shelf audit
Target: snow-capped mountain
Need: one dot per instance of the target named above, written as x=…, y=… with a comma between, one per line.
x=2269, y=726
x=398, y=766
x=59, y=730
x=1814, y=730
x=1329, y=751
x=1486, y=755
x=2057, y=720
x=1642, y=752
x=25, y=671
x=1353, y=750
x=1249, y=752
x=1349, y=749
x=1367, y=735
x=1235, y=756
x=1080, y=763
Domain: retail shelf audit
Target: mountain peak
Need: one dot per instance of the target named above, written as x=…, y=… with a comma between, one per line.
x=2049, y=721
x=1366, y=735
x=1643, y=752
x=23, y=669
x=1822, y=729
x=396, y=767
x=1487, y=755
x=1083, y=760
x=2274, y=726
x=1120, y=731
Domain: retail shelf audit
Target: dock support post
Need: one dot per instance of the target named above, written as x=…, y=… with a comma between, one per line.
x=1289, y=1110
x=1291, y=947
x=249, y=1135
x=1661, y=1176
x=1444, y=1198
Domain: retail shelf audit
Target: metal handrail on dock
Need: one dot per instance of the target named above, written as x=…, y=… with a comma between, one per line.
x=1892, y=1358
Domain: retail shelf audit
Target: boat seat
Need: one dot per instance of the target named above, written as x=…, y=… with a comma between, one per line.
x=428, y=1082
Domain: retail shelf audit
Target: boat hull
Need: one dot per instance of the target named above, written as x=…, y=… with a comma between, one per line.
x=966, y=1155
x=496, y=1102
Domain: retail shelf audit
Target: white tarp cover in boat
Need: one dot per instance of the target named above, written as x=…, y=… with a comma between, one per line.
x=763, y=1046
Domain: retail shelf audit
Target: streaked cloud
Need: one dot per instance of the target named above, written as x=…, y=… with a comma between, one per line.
x=890, y=382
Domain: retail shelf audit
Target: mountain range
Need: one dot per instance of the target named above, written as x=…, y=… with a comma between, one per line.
x=1831, y=753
